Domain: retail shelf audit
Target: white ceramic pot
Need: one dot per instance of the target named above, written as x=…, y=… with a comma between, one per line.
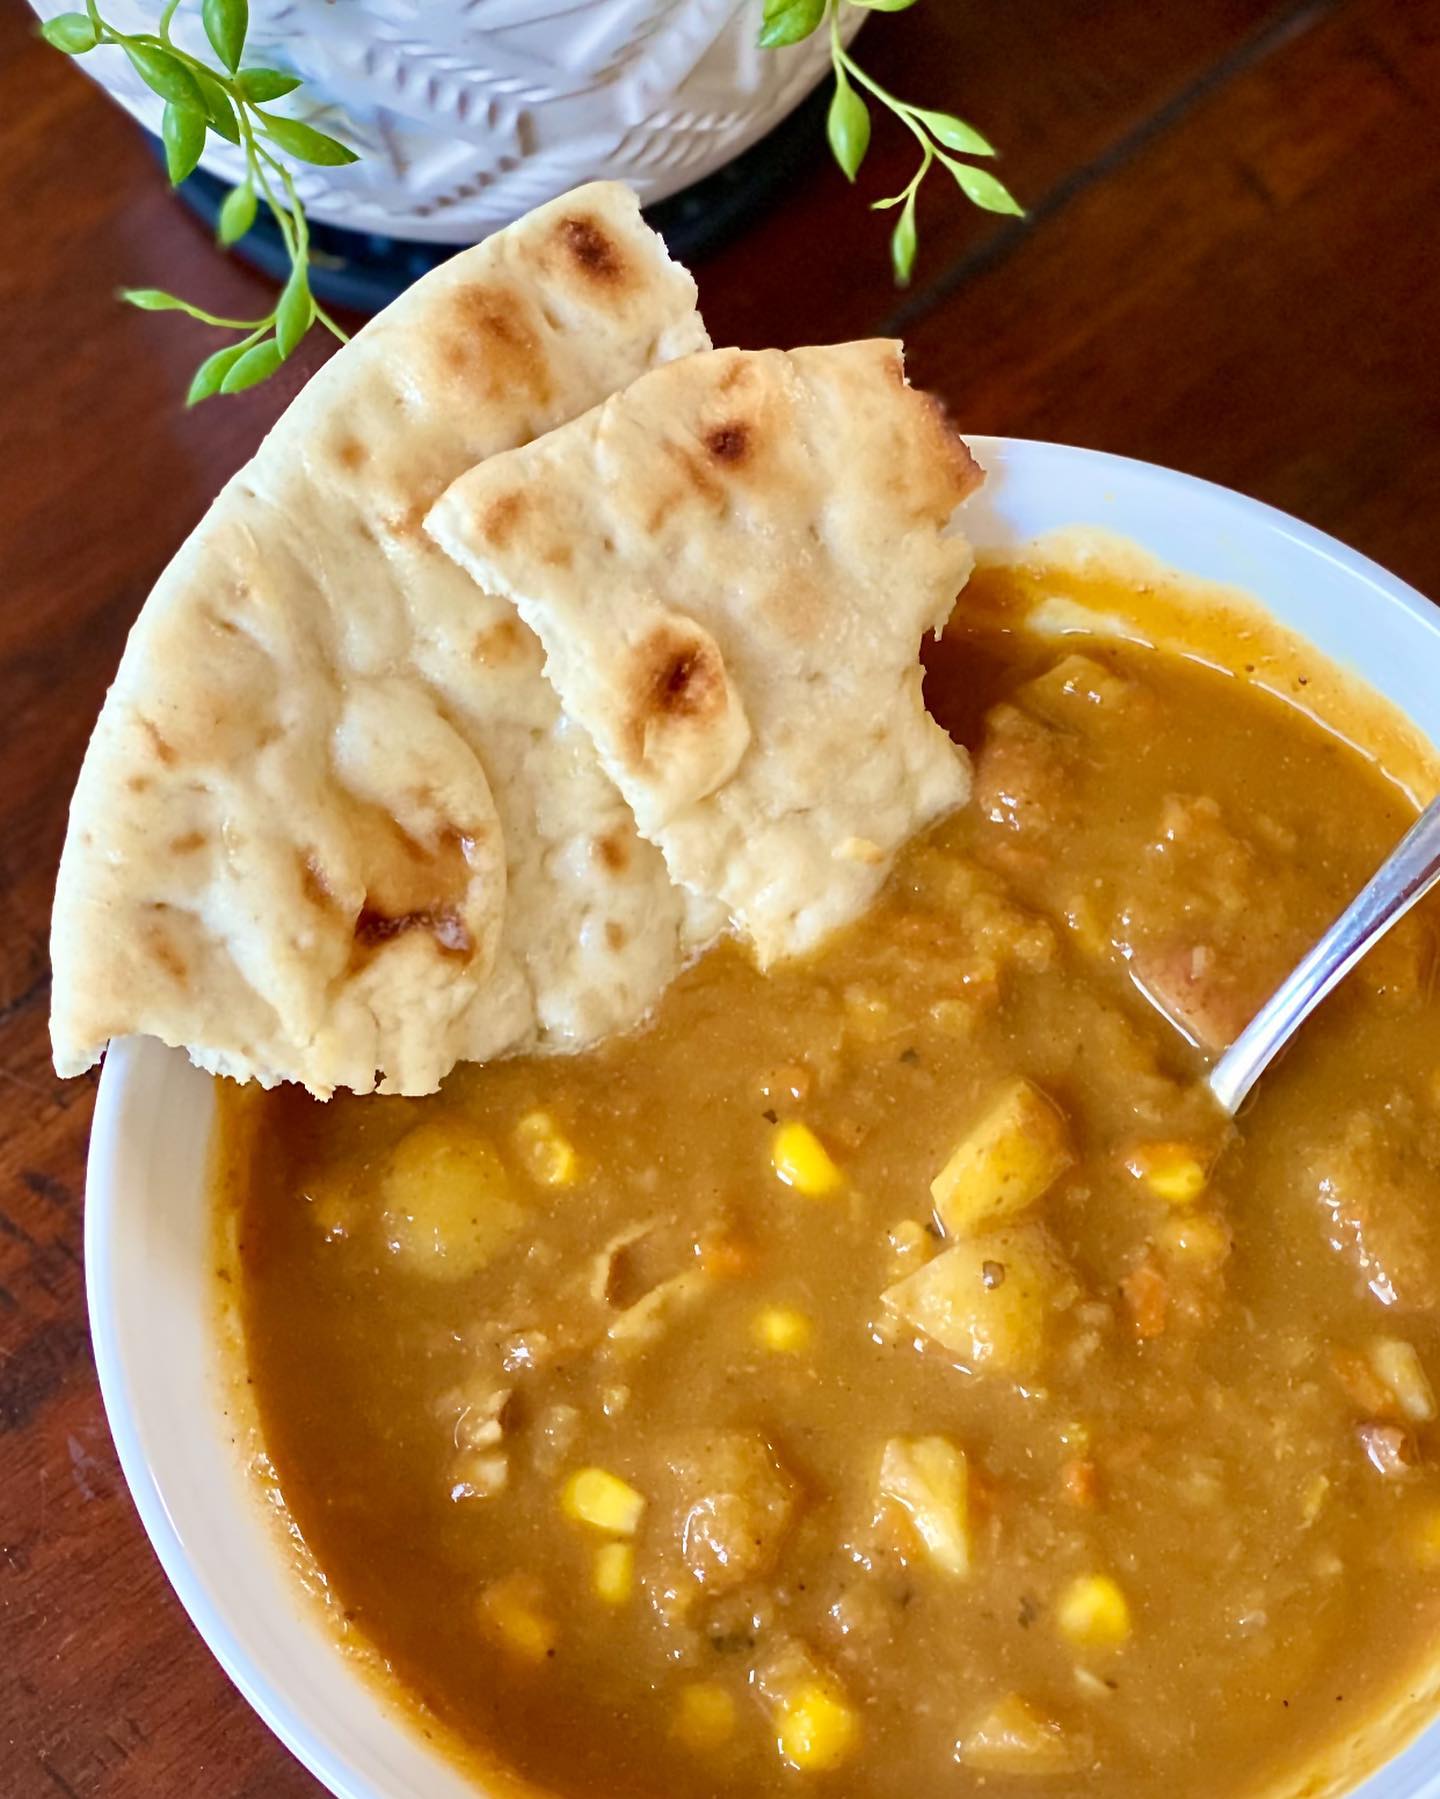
x=147, y=1229
x=466, y=116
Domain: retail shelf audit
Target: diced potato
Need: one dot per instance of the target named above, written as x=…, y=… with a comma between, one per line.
x=478, y=1474
x=448, y=1206
x=1007, y=1159
x=1176, y=1173
x=705, y=1716
x=613, y=1572
x=1378, y=1211
x=1076, y=684
x=1389, y=1448
x=928, y=1477
x=724, y=1504
x=602, y=1500
x=545, y=1152
x=815, y=1727
x=782, y=1330
x=802, y=1161
x=1093, y=1613
x=989, y=1300
x=1196, y=1239
x=1398, y=1365
x=1013, y=1738
x=511, y=1613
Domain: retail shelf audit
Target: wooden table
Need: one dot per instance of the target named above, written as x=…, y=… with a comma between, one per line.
x=1229, y=265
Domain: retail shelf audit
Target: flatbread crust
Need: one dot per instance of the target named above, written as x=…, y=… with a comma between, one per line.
x=332, y=826
x=730, y=565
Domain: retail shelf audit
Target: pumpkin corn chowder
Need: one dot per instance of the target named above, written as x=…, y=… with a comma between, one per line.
x=889, y=1374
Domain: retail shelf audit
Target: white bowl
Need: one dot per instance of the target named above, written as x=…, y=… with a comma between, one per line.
x=148, y=1248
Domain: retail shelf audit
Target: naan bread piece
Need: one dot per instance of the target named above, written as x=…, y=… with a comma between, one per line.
x=332, y=826
x=730, y=566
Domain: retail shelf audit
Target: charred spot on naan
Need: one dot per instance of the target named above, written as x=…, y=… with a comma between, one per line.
x=503, y=517
x=589, y=249
x=506, y=644
x=444, y=924
x=612, y=852
x=676, y=675
x=729, y=442
x=350, y=453
x=163, y=748
x=684, y=725
x=494, y=340
x=407, y=885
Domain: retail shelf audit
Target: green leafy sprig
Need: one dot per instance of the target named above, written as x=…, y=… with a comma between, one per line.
x=231, y=101
x=938, y=133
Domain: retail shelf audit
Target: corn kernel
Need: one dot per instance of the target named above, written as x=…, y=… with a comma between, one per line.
x=705, y=1717
x=1397, y=1363
x=815, y=1728
x=614, y=1572
x=510, y=1614
x=801, y=1161
x=545, y=1151
x=1093, y=1613
x=1171, y=1171
x=602, y=1500
x=782, y=1330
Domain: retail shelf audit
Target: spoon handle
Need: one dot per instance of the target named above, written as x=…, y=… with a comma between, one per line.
x=1406, y=876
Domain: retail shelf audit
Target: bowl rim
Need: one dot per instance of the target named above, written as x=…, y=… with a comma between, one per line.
x=308, y=1739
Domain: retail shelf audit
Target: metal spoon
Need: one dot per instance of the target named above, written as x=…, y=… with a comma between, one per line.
x=1406, y=876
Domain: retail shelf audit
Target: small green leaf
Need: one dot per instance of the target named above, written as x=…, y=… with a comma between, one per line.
x=207, y=378
x=237, y=214
x=294, y=313
x=219, y=109
x=305, y=142
x=258, y=363
x=226, y=22
x=983, y=190
x=789, y=21
x=903, y=241
x=883, y=5
x=894, y=200
x=71, y=32
x=259, y=85
x=165, y=74
x=954, y=133
x=153, y=299
x=848, y=126
x=182, y=130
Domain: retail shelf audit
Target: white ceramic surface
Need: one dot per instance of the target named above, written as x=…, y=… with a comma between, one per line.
x=146, y=1229
x=466, y=115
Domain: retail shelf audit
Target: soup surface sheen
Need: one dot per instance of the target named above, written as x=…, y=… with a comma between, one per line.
x=580, y=1380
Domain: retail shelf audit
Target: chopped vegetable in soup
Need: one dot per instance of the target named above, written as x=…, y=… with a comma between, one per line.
x=891, y=1374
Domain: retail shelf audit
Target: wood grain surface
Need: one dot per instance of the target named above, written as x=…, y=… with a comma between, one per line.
x=1228, y=265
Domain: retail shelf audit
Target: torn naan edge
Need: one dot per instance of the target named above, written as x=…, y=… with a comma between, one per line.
x=730, y=566
x=332, y=826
